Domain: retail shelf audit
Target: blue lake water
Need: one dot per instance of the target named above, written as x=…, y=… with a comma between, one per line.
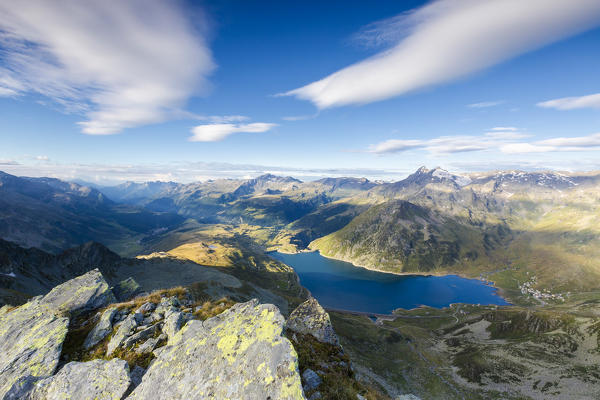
x=341, y=285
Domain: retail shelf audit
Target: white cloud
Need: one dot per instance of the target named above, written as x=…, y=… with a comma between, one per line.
x=571, y=103
x=120, y=63
x=485, y=104
x=8, y=162
x=396, y=146
x=448, y=39
x=508, y=142
x=185, y=172
x=519, y=148
x=217, y=132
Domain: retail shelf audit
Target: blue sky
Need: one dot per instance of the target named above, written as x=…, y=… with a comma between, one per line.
x=193, y=90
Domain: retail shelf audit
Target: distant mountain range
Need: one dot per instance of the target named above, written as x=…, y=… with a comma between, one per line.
x=433, y=221
x=53, y=215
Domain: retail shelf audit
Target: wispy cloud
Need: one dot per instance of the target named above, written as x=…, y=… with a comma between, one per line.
x=217, y=132
x=486, y=104
x=119, y=63
x=8, y=162
x=299, y=117
x=571, y=103
x=506, y=141
x=448, y=39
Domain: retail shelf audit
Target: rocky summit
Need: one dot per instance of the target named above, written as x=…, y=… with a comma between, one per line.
x=237, y=354
x=31, y=336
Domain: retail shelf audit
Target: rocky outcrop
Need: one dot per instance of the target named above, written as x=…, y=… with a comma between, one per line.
x=311, y=380
x=31, y=339
x=31, y=336
x=102, y=328
x=125, y=330
x=92, y=380
x=86, y=292
x=238, y=354
x=310, y=318
x=173, y=323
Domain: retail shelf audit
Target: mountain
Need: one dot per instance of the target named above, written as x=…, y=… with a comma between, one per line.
x=399, y=236
x=543, y=223
x=266, y=184
x=53, y=215
x=137, y=193
x=34, y=272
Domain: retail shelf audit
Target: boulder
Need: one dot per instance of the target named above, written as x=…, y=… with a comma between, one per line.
x=126, y=329
x=139, y=336
x=146, y=307
x=311, y=380
x=136, y=375
x=86, y=292
x=239, y=354
x=173, y=324
x=92, y=380
x=32, y=335
x=101, y=330
x=310, y=318
x=148, y=346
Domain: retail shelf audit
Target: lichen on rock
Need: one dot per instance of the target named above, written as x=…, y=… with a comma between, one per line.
x=32, y=335
x=92, y=380
x=239, y=354
x=310, y=318
x=102, y=328
x=86, y=292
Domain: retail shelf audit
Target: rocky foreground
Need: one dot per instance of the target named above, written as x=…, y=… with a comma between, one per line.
x=76, y=342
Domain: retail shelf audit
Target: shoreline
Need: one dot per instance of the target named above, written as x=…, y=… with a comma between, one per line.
x=438, y=274
x=500, y=292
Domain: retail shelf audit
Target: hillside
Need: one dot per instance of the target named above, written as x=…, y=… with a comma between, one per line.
x=545, y=224
x=53, y=215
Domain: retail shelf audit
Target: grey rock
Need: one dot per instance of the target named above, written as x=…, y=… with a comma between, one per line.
x=311, y=380
x=310, y=318
x=24, y=389
x=173, y=324
x=92, y=380
x=136, y=375
x=148, y=346
x=158, y=351
x=32, y=335
x=4, y=309
x=146, y=308
x=359, y=397
x=407, y=397
x=239, y=354
x=139, y=317
x=126, y=329
x=139, y=336
x=86, y=292
x=315, y=396
x=101, y=330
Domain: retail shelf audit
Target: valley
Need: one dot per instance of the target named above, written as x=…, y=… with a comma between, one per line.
x=534, y=236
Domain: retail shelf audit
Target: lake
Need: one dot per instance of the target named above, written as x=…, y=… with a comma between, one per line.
x=341, y=285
